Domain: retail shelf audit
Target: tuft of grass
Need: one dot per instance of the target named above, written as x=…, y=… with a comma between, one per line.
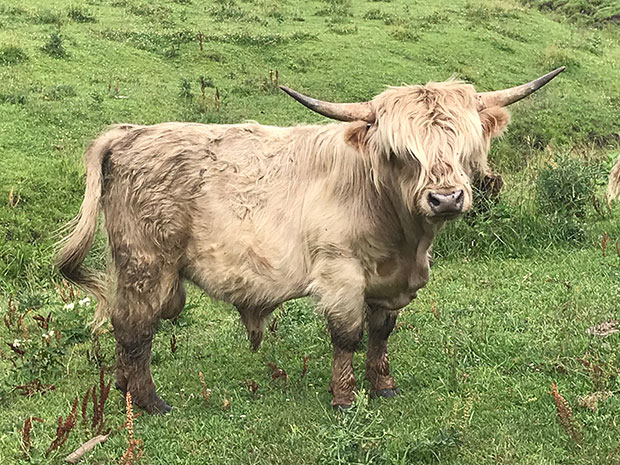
x=226, y=10
x=483, y=13
x=152, y=11
x=11, y=55
x=172, y=51
x=14, y=98
x=336, y=10
x=405, y=33
x=555, y=56
x=567, y=187
x=60, y=92
x=54, y=47
x=380, y=15
x=81, y=15
x=46, y=16
x=185, y=91
x=343, y=29
x=430, y=21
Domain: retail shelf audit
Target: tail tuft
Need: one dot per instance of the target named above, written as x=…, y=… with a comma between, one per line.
x=74, y=248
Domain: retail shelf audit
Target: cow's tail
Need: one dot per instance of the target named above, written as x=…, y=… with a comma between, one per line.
x=74, y=247
x=613, y=188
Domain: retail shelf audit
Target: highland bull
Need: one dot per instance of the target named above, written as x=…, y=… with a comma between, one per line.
x=257, y=215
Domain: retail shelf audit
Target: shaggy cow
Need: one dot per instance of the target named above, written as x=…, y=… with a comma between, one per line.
x=257, y=215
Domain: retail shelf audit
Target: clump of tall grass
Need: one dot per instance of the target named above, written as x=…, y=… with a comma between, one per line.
x=81, y=15
x=380, y=15
x=336, y=9
x=558, y=207
x=566, y=187
x=53, y=47
x=46, y=17
x=11, y=55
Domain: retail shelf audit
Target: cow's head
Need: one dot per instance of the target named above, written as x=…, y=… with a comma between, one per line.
x=437, y=136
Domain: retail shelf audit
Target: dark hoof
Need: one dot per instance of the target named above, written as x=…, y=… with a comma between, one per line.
x=341, y=407
x=159, y=407
x=161, y=410
x=153, y=406
x=388, y=393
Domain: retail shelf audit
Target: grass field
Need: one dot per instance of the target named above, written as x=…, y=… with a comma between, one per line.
x=512, y=293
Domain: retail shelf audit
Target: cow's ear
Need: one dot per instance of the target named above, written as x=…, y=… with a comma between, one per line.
x=494, y=121
x=356, y=134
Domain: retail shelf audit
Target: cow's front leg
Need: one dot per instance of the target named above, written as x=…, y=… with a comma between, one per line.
x=345, y=338
x=341, y=290
x=380, y=325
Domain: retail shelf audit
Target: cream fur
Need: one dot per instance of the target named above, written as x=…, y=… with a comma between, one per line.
x=257, y=214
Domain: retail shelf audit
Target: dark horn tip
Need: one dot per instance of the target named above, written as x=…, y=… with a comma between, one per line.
x=547, y=77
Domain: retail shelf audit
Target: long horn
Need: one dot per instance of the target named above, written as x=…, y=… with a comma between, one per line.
x=502, y=98
x=361, y=111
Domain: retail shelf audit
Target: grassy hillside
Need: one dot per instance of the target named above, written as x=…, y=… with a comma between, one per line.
x=515, y=285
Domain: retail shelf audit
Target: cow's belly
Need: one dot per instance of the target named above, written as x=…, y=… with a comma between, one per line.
x=233, y=270
x=240, y=285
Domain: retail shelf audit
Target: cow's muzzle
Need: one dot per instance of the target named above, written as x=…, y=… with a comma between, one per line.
x=446, y=204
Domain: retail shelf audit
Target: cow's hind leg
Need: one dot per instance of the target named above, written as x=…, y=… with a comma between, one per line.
x=380, y=324
x=134, y=316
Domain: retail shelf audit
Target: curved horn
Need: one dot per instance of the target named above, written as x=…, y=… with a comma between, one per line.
x=502, y=98
x=361, y=111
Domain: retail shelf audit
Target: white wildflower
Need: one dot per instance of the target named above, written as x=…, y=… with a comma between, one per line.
x=16, y=343
x=84, y=301
x=51, y=332
x=70, y=306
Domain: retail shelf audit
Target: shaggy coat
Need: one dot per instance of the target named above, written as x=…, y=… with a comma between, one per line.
x=257, y=215
x=613, y=188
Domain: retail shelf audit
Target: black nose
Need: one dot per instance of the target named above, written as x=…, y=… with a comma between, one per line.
x=446, y=203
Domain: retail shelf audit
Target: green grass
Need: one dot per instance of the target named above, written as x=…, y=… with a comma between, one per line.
x=515, y=287
x=475, y=378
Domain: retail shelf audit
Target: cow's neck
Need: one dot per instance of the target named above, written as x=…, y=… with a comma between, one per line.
x=403, y=267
